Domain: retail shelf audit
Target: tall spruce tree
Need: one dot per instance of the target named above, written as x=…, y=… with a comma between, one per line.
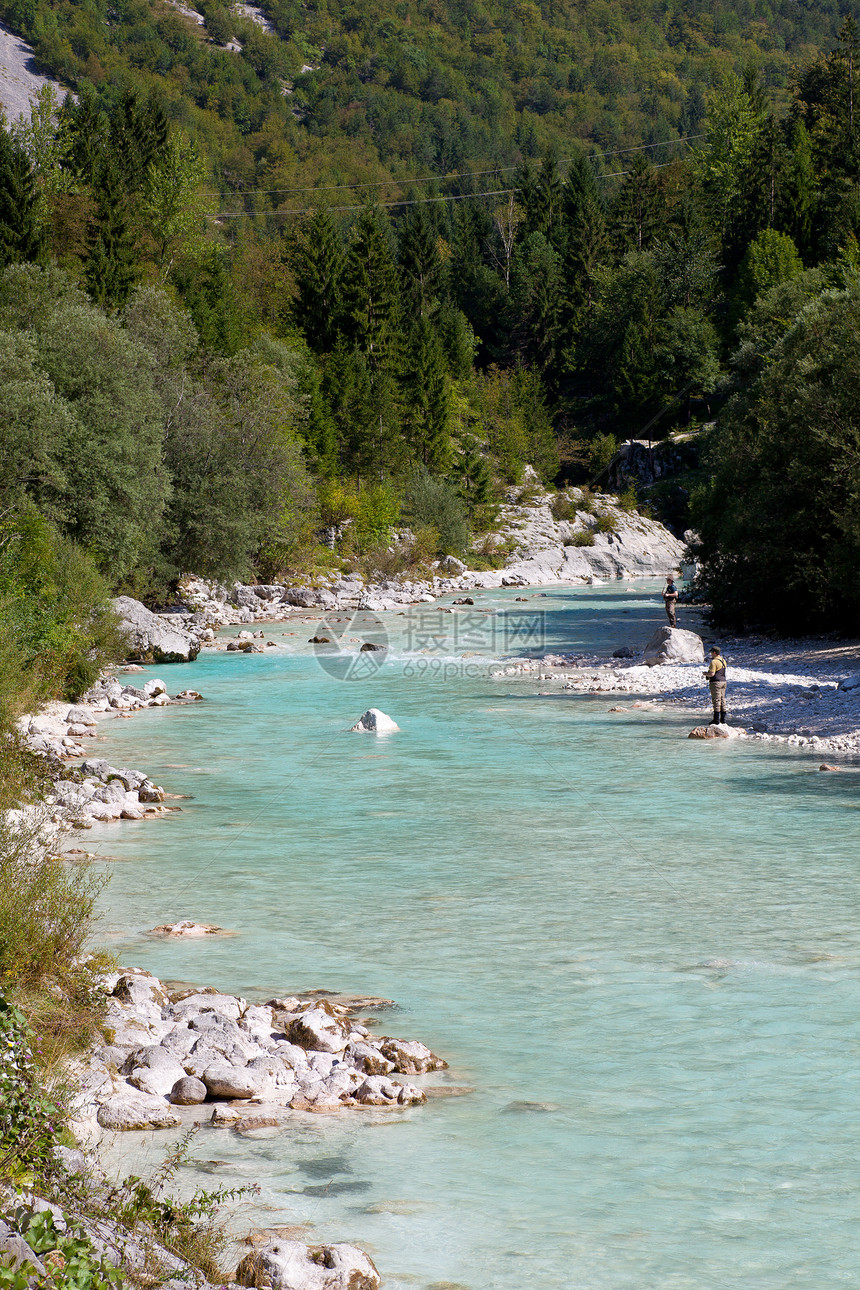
x=317, y=258
x=421, y=268
x=428, y=397
x=372, y=297
x=21, y=236
x=112, y=267
x=638, y=207
x=586, y=243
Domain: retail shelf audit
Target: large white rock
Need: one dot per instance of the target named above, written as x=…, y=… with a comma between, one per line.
x=674, y=645
x=319, y=1031
x=231, y=1081
x=376, y=722
x=722, y=731
x=150, y=638
x=291, y=1265
x=130, y=1109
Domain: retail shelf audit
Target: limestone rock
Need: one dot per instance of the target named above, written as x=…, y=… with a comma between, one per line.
x=150, y=638
x=188, y=1091
x=155, y=1070
x=291, y=1265
x=674, y=645
x=376, y=722
x=230, y=1081
x=377, y=1090
x=721, y=731
x=130, y=1109
x=411, y=1057
x=850, y=683
x=320, y=1031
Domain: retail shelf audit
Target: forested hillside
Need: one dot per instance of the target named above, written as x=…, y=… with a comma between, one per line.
x=325, y=93
x=274, y=393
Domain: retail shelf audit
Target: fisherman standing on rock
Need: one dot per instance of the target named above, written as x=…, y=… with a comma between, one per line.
x=716, y=678
x=670, y=600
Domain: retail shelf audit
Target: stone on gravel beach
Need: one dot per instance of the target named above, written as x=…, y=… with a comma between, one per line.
x=674, y=645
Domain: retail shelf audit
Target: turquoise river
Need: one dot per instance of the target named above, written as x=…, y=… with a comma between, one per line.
x=643, y=955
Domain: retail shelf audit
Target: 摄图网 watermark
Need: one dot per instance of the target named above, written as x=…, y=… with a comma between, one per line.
x=426, y=642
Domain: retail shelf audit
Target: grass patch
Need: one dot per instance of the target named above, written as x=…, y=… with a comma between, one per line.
x=563, y=508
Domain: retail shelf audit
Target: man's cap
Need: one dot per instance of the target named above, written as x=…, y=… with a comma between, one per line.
x=715, y=649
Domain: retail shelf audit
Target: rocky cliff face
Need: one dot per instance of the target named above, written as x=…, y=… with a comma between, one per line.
x=546, y=549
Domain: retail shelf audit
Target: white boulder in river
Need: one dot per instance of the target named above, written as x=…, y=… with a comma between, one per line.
x=150, y=638
x=375, y=721
x=291, y=1265
x=674, y=645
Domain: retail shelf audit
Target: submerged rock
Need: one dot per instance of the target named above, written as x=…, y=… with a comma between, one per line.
x=376, y=722
x=189, y=930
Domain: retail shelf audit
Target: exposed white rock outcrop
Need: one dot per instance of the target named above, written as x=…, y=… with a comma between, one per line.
x=151, y=639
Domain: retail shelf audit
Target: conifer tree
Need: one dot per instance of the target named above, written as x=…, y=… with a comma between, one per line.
x=372, y=302
x=428, y=398
x=138, y=137
x=88, y=128
x=318, y=261
x=637, y=210
x=112, y=263
x=543, y=201
x=473, y=472
x=586, y=243
x=21, y=236
x=421, y=266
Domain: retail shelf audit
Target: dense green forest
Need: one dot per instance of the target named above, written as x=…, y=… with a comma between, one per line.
x=274, y=394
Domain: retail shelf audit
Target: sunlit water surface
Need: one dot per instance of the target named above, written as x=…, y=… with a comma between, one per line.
x=655, y=939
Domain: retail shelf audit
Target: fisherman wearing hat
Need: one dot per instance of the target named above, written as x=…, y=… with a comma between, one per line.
x=716, y=678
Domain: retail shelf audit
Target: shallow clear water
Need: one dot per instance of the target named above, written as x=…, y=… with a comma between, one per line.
x=657, y=939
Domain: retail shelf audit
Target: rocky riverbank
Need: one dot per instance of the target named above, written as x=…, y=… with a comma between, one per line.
x=92, y=791
x=599, y=541
x=193, y=1055
x=803, y=692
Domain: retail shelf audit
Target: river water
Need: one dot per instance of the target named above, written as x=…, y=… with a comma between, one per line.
x=642, y=953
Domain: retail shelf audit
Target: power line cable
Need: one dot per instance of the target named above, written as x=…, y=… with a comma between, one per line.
x=449, y=179
x=414, y=201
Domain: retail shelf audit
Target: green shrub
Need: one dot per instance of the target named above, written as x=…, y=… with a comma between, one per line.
x=607, y=524
x=28, y=1118
x=58, y=628
x=46, y=910
x=629, y=499
x=563, y=507
x=431, y=502
x=586, y=501
x=583, y=538
x=601, y=451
